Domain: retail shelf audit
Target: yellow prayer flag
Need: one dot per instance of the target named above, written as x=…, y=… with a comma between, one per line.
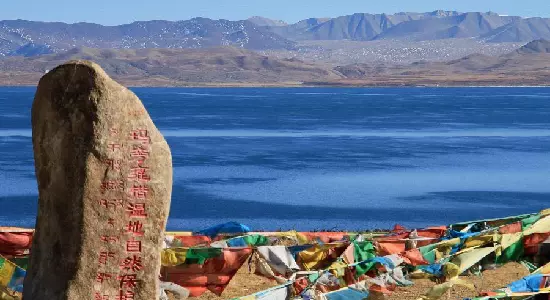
x=173, y=256
x=6, y=271
x=466, y=260
x=541, y=226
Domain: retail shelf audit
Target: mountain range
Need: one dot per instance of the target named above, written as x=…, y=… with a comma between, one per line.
x=222, y=66
x=434, y=25
x=29, y=38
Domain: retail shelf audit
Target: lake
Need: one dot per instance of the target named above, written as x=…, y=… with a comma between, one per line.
x=326, y=158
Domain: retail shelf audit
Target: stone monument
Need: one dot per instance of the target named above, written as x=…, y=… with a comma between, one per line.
x=104, y=175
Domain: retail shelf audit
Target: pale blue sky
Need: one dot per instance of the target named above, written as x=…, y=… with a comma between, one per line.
x=112, y=12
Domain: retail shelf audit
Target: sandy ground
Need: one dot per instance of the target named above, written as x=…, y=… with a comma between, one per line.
x=491, y=280
x=245, y=283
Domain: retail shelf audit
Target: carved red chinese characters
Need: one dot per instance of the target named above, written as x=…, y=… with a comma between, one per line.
x=104, y=176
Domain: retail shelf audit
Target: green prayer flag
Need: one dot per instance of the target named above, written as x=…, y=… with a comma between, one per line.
x=429, y=256
x=514, y=252
x=200, y=255
x=255, y=240
x=363, y=251
x=527, y=222
x=21, y=262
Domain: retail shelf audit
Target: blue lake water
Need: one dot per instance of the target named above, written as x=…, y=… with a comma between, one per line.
x=326, y=158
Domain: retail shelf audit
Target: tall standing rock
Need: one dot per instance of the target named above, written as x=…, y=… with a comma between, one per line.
x=104, y=176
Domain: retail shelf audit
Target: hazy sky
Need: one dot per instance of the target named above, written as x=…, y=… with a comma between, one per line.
x=112, y=12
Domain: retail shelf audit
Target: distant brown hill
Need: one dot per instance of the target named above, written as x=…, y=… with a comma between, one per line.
x=529, y=65
x=173, y=67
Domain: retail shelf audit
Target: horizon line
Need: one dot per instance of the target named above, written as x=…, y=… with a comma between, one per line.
x=274, y=19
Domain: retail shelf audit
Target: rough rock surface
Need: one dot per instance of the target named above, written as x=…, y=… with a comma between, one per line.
x=104, y=176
